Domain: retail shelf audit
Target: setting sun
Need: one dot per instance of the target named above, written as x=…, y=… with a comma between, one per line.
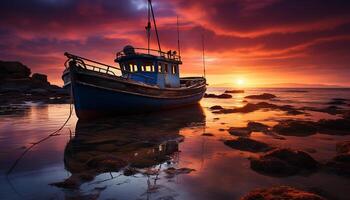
x=239, y=82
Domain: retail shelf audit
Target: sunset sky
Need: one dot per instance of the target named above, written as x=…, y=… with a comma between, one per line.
x=248, y=42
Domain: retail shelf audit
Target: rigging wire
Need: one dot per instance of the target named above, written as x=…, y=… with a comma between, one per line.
x=155, y=25
x=203, y=49
x=55, y=133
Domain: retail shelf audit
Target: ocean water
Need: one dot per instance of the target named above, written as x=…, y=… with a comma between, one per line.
x=153, y=143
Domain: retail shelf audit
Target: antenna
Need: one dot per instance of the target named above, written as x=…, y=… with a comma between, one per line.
x=178, y=36
x=155, y=25
x=203, y=54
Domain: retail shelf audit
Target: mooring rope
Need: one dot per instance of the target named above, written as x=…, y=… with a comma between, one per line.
x=55, y=133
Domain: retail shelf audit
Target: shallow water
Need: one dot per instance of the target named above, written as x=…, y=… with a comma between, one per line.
x=155, y=142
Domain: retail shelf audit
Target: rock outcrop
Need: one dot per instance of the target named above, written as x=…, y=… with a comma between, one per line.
x=16, y=85
x=281, y=192
x=284, y=162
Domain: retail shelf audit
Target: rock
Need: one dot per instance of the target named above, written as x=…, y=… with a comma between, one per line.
x=250, y=107
x=171, y=171
x=40, y=78
x=340, y=165
x=334, y=126
x=332, y=110
x=75, y=180
x=239, y=131
x=72, y=182
x=338, y=101
x=246, y=144
x=207, y=134
x=217, y=107
x=13, y=70
x=106, y=163
x=221, y=96
x=281, y=193
x=261, y=96
x=234, y=91
x=297, y=91
x=295, y=128
x=130, y=171
x=284, y=162
x=257, y=127
x=343, y=147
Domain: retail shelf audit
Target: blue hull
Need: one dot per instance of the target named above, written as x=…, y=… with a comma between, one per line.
x=97, y=94
x=90, y=102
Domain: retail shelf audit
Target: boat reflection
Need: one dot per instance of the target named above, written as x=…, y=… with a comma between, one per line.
x=129, y=142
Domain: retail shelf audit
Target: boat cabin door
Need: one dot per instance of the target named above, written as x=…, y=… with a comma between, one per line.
x=168, y=75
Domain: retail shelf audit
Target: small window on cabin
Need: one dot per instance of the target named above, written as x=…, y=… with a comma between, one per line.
x=148, y=68
x=159, y=68
x=173, y=69
x=135, y=68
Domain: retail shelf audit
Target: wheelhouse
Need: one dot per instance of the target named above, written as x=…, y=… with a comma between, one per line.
x=160, y=68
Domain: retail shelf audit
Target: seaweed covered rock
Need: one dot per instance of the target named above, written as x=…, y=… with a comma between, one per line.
x=257, y=126
x=281, y=193
x=284, y=162
x=340, y=164
x=338, y=101
x=334, y=126
x=239, y=131
x=216, y=107
x=234, y=91
x=343, y=147
x=263, y=96
x=246, y=144
x=251, y=107
x=171, y=171
x=221, y=96
x=296, y=128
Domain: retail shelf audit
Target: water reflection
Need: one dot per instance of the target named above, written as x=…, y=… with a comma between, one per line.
x=129, y=143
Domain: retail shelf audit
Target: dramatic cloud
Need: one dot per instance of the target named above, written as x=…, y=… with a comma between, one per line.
x=269, y=41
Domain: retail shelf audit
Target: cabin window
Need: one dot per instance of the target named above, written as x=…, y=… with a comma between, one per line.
x=159, y=68
x=134, y=68
x=148, y=68
x=174, y=69
x=131, y=68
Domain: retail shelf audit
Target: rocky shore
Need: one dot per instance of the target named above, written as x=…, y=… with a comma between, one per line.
x=18, y=85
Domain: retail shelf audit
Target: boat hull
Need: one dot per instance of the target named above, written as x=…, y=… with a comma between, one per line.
x=93, y=99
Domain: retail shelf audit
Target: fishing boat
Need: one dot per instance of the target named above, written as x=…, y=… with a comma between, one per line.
x=146, y=80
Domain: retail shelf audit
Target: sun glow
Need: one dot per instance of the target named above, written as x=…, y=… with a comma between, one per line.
x=239, y=82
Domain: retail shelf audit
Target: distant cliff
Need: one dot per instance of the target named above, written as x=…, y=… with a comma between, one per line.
x=17, y=84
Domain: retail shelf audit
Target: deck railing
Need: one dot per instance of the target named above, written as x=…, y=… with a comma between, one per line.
x=144, y=51
x=101, y=67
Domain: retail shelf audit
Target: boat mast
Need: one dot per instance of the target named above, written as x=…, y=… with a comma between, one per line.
x=154, y=22
x=178, y=36
x=148, y=28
